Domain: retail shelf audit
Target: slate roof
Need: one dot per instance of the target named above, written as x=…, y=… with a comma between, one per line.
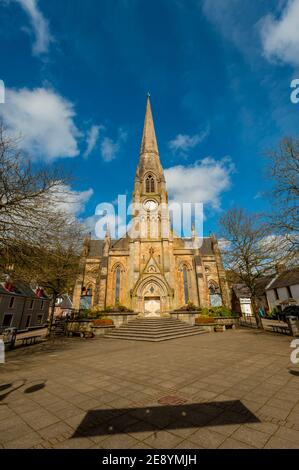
x=241, y=291
x=64, y=302
x=95, y=249
x=286, y=278
x=206, y=248
x=20, y=288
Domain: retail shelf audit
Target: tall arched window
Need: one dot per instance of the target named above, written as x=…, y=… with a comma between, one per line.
x=215, y=295
x=186, y=287
x=117, y=284
x=150, y=184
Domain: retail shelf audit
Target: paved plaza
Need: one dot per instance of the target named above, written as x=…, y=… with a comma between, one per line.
x=236, y=389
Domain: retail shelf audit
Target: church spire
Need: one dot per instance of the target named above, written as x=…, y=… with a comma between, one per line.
x=149, y=141
x=149, y=153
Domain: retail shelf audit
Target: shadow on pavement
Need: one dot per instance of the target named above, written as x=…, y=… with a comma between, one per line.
x=115, y=421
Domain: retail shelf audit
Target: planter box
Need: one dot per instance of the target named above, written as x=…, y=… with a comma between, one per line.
x=229, y=322
x=87, y=326
x=185, y=315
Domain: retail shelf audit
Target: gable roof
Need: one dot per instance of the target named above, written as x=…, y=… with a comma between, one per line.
x=289, y=277
x=241, y=291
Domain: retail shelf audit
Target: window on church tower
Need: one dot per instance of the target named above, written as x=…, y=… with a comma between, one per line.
x=117, y=285
x=150, y=184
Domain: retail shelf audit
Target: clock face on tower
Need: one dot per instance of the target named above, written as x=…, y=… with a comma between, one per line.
x=150, y=205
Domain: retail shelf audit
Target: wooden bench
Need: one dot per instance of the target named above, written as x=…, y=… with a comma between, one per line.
x=280, y=329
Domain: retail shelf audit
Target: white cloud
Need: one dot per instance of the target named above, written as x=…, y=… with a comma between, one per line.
x=185, y=142
x=72, y=202
x=280, y=37
x=45, y=121
x=92, y=138
x=203, y=182
x=110, y=148
x=39, y=25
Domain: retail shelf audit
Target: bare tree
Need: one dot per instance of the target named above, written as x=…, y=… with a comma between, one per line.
x=40, y=241
x=53, y=263
x=26, y=195
x=284, y=171
x=251, y=250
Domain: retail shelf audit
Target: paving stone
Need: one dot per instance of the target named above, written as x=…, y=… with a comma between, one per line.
x=186, y=444
x=27, y=441
x=56, y=430
x=282, y=404
x=288, y=434
x=207, y=438
x=231, y=443
x=273, y=412
x=269, y=428
x=279, y=443
x=75, y=443
x=14, y=432
x=119, y=441
x=251, y=436
x=38, y=420
x=163, y=440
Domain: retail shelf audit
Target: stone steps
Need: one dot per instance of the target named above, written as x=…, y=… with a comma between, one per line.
x=153, y=329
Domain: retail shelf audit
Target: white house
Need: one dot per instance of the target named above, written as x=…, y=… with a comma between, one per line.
x=284, y=289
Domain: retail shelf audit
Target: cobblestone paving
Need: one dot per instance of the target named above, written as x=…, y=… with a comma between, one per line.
x=51, y=395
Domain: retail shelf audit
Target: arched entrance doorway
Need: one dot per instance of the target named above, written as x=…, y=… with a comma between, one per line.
x=152, y=300
x=152, y=296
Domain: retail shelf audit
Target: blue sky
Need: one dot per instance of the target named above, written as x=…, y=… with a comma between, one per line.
x=219, y=72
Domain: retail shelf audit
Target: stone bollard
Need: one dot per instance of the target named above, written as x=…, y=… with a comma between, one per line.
x=2, y=352
x=293, y=324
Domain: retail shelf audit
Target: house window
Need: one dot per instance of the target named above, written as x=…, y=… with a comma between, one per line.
x=276, y=294
x=117, y=285
x=289, y=292
x=186, y=287
x=42, y=305
x=28, y=320
x=7, y=320
x=31, y=304
x=39, y=319
x=150, y=184
x=11, y=302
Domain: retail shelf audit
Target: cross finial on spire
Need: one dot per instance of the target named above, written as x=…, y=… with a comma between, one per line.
x=148, y=94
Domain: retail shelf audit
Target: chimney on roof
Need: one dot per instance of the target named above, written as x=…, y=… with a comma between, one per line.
x=280, y=268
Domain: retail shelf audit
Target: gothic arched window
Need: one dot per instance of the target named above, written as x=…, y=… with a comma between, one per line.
x=186, y=287
x=150, y=184
x=215, y=295
x=117, y=284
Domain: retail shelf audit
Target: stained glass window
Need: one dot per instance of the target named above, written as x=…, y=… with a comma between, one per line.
x=186, y=287
x=117, y=285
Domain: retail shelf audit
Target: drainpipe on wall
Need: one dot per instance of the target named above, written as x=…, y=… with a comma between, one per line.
x=23, y=311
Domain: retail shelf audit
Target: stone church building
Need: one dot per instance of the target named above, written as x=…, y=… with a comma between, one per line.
x=154, y=271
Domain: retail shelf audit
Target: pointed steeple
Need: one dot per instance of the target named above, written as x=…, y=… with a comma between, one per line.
x=149, y=153
x=149, y=141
